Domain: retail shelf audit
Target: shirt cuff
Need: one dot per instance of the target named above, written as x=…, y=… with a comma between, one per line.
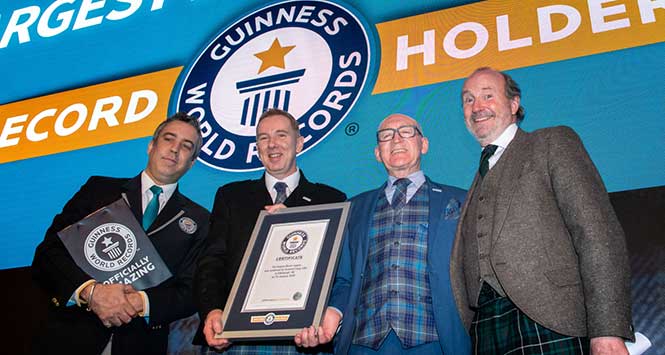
x=146, y=305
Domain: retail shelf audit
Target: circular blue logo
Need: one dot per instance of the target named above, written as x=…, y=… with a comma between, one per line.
x=294, y=242
x=310, y=58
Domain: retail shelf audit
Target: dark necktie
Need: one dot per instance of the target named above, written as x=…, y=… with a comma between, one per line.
x=152, y=209
x=488, y=151
x=280, y=187
x=399, y=198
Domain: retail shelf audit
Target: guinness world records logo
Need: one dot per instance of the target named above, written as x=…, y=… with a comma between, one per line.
x=110, y=247
x=310, y=58
x=294, y=242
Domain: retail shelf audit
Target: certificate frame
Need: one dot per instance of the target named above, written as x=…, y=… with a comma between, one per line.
x=297, y=248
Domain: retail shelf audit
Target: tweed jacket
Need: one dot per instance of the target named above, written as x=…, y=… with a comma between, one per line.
x=558, y=249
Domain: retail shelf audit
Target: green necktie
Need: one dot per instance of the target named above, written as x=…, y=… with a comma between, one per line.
x=152, y=209
x=488, y=151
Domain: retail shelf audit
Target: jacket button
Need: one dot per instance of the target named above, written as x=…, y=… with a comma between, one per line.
x=55, y=302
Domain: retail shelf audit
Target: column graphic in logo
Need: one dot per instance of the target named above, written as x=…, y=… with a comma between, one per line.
x=110, y=246
x=310, y=58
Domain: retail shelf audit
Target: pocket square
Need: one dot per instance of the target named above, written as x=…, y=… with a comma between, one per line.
x=452, y=210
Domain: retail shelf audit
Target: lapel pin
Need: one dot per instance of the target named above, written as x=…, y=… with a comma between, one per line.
x=187, y=225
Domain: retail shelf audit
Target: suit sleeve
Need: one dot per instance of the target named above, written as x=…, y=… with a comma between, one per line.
x=210, y=287
x=340, y=293
x=53, y=268
x=173, y=299
x=596, y=233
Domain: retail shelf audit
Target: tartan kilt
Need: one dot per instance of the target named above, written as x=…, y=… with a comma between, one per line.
x=278, y=347
x=499, y=327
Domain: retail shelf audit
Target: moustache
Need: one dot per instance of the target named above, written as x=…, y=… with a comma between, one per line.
x=481, y=114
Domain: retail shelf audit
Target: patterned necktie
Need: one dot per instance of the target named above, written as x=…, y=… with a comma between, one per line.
x=152, y=209
x=280, y=187
x=488, y=151
x=399, y=198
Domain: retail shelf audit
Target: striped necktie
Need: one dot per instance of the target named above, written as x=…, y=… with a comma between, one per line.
x=280, y=187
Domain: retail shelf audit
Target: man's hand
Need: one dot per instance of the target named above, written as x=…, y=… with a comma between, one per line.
x=313, y=336
x=274, y=208
x=110, y=304
x=135, y=299
x=212, y=326
x=608, y=346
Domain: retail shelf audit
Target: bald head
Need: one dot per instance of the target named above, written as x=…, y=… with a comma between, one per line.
x=400, y=145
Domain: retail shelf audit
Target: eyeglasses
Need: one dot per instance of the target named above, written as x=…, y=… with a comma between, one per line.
x=387, y=134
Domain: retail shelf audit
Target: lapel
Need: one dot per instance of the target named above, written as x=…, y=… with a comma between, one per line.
x=515, y=159
x=436, y=206
x=303, y=195
x=132, y=195
x=469, y=195
x=171, y=211
x=367, y=208
x=259, y=193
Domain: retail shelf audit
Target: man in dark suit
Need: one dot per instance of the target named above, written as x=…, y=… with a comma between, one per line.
x=236, y=208
x=539, y=256
x=392, y=286
x=87, y=317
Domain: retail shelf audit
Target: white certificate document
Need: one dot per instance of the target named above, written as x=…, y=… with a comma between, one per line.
x=285, y=271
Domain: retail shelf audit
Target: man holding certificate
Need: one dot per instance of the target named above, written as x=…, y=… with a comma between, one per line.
x=392, y=287
x=236, y=208
x=92, y=317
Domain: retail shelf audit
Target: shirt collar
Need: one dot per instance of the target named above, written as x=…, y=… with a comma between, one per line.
x=291, y=181
x=147, y=182
x=417, y=178
x=506, y=137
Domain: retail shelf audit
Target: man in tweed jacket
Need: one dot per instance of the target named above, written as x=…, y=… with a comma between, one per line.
x=539, y=260
x=392, y=287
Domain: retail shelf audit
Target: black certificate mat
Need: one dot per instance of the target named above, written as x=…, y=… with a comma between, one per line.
x=286, y=273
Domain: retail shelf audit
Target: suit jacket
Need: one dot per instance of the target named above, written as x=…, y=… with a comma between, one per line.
x=236, y=208
x=444, y=208
x=73, y=329
x=558, y=250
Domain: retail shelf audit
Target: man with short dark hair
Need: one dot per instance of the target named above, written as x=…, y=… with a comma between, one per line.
x=236, y=208
x=88, y=317
x=392, y=287
x=540, y=262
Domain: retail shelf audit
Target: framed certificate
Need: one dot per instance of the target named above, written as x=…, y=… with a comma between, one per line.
x=286, y=273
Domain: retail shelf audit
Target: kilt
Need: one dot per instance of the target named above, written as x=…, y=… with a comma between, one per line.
x=278, y=347
x=499, y=327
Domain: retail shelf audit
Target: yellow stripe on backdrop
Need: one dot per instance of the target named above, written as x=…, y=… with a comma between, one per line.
x=448, y=44
x=86, y=117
